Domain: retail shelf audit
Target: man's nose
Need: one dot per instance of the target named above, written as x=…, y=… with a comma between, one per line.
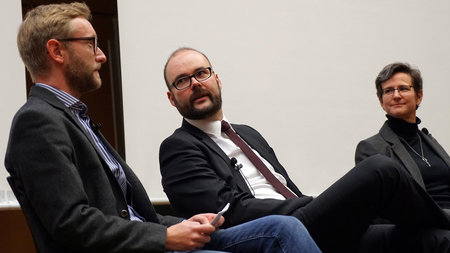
x=100, y=56
x=194, y=82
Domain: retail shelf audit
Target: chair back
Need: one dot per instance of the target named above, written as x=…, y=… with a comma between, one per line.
x=42, y=240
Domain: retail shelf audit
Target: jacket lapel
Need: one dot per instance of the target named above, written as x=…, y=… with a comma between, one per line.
x=254, y=144
x=401, y=152
x=201, y=136
x=205, y=139
x=435, y=146
x=50, y=98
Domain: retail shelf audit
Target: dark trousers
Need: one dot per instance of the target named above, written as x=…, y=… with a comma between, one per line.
x=389, y=238
x=339, y=217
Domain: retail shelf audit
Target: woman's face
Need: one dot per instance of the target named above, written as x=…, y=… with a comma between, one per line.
x=399, y=98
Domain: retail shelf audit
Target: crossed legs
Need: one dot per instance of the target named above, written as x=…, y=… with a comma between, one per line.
x=338, y=218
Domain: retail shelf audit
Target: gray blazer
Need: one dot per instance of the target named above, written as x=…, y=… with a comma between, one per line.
x=73, y=201
x=386, y=142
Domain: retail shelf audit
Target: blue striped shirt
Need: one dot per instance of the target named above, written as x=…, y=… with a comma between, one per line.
x=79, y=109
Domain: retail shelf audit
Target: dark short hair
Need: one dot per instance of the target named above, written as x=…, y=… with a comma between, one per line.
x=398, y=67
x=181, y=49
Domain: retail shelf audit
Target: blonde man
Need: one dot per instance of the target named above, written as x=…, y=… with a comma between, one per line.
x=77, y=193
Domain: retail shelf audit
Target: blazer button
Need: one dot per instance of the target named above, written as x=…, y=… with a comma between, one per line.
x=124, y=214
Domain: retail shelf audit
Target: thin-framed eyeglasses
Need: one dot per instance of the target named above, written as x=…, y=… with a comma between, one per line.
x=402, y=90
x=185, y=82
x=94, y=41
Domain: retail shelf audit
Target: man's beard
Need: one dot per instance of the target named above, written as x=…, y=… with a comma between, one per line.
x=190, y=112
x=80, y=77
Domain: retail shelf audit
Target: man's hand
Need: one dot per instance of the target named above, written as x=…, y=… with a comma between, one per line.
x=209, y=217
x=192, y=233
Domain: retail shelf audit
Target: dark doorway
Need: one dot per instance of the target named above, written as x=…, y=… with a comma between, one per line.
x=105, y=104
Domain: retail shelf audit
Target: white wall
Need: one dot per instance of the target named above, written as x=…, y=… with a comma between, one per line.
x=12, y=76
x=301, y=72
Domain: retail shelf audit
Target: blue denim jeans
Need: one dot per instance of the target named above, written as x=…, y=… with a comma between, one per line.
x=270, y=234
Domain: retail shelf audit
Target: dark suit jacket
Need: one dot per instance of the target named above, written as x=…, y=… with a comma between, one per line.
x=386, y=142
x=73, y=201
x=198, y=176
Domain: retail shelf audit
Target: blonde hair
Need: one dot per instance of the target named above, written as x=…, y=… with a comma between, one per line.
x=41, y=24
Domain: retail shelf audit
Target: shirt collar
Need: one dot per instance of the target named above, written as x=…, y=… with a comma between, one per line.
x=69, y=101
x=209, y=127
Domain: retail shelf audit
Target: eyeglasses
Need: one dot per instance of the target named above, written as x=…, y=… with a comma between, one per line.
x=93, y=41
x=402, y=90
x=186, y=81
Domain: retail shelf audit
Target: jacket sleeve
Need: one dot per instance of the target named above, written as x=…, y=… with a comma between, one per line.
x=198, y=180
x=371, y=146
x=42, y=154
x=363, y=150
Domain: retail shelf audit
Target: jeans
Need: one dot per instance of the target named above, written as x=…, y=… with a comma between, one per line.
x=270, y=234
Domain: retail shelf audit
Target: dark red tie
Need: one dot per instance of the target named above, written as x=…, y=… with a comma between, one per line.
x=281, y=188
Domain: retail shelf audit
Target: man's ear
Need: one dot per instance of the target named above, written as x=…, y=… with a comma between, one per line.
x=218, y=81
x=170, y=97
x=54, y=49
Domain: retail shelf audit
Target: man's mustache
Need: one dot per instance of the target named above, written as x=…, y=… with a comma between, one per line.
x=199, y=93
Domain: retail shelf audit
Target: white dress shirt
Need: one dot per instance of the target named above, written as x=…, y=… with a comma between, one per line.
x=257, y=183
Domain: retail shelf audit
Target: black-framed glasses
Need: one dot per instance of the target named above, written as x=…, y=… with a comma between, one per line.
x=402, y=90
x=93, y=40
x=185, y=82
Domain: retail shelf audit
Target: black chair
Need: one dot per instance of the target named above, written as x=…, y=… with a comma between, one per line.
x=42, y=240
